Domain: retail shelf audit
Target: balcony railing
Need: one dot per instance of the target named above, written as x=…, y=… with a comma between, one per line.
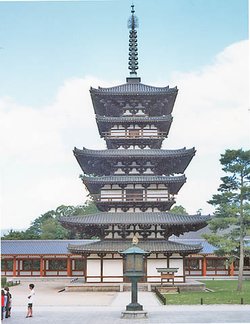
x=139, y=135
x=129, y=198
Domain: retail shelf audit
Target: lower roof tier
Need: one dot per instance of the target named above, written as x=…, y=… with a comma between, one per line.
x=150, y=246
x=146, y=218
x=106, y=162
x=145, y=225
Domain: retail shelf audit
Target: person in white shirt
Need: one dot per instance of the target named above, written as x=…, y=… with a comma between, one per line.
x=30, y=300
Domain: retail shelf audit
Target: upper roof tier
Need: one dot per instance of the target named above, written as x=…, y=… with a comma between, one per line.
x=133, y=97
x=162, y=123
x=106, y=162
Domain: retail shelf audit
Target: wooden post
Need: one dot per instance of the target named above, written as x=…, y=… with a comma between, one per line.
x=41, y=266
x=14, y=266
x=85, y=266
x=204, y=266
x=231, y=269
x=69, y=267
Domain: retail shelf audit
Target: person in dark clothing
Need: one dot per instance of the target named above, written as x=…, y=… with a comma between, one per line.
x=8, y=302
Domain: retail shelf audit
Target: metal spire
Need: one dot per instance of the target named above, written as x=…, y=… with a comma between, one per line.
x=133, y=52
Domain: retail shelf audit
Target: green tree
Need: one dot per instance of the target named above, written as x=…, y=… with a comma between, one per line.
x=51, y=229
x=47, y=226
x=178, y=209
x=231, y=219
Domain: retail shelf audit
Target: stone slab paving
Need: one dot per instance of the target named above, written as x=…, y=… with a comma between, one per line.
x=51, y=307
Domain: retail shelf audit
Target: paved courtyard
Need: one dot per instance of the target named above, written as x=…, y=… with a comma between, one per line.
x=52, y=307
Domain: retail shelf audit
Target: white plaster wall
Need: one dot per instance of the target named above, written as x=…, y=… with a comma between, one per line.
x=177, y=263
x=151, y=268
x=112, y=268
x=94, y=269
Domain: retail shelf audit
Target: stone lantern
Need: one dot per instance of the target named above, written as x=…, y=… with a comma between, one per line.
x=134, y=270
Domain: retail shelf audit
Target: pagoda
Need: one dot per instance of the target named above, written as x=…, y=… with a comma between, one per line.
x=133, y=182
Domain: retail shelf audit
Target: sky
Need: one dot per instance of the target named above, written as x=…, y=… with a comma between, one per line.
x=51, y=53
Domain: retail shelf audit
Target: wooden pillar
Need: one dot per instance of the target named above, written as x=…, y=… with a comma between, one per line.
x=184, y=268
x=41, y=266
x=85, y=266
x=69, y=267
x=231, y=269
x=101, y=265
x=14, y=266
x=204, y=266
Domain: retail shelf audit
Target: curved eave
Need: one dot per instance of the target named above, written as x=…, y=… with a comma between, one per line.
x=133, y=88
x=99, y=161
x=162, y=122
x=102, y=96
x=94, y=184
x=145, y=218
x=157, y=246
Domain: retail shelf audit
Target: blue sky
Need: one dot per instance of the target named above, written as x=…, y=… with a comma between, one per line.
x=51, y=53
x=44, y=43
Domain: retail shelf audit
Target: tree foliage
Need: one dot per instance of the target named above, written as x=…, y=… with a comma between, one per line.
x=47, y=226
x=178, y=209
x=231, y=221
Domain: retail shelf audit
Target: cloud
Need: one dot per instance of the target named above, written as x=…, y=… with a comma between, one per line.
x=212, y=114
x=38, y=169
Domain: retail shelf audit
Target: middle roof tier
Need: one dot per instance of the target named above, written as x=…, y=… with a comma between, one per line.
x=95, y=184
x=156, y=161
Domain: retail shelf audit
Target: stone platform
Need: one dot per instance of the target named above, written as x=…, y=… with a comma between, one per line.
x=119, y=287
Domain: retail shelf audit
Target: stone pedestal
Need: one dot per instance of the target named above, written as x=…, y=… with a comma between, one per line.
x=134, y=314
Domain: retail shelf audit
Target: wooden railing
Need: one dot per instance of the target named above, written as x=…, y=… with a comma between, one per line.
x=147, y=135
x=142, y=198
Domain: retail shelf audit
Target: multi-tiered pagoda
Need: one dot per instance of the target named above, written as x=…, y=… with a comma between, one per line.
x=133, y=182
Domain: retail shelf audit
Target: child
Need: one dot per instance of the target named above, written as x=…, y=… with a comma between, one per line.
x=2, y=303
x=30, y=300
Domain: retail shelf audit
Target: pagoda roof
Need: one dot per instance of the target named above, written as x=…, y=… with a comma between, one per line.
x=116, y=246
x=100, y=162
x=134, y=88
x=94, y=184
x=104, y=123
x=127, y=218
x=156, y=101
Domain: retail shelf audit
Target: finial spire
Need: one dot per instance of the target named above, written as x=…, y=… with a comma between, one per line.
x=133, y=52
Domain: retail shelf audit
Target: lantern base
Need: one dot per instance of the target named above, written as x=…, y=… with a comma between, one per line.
x=134, y=314
x=134, y=307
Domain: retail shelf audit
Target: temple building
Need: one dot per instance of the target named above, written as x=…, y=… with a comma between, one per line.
x=133, y=182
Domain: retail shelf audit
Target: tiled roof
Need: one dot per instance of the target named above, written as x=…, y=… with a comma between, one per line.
x=135, y=218
x=149, y=246
x=132, y=119
x=135, y=152
x=207, y=248
x=60, y=247
x=37, y=247
x=94, y=184
x=130, y=88
x=134, y=179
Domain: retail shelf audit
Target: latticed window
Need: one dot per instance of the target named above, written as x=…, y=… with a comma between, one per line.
x=216, y=264
x=31, y=265
x=7, y=265
x=79, y=264
x=134, y=132
x=193, y=264
x=58, y=264
x=134, y=194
